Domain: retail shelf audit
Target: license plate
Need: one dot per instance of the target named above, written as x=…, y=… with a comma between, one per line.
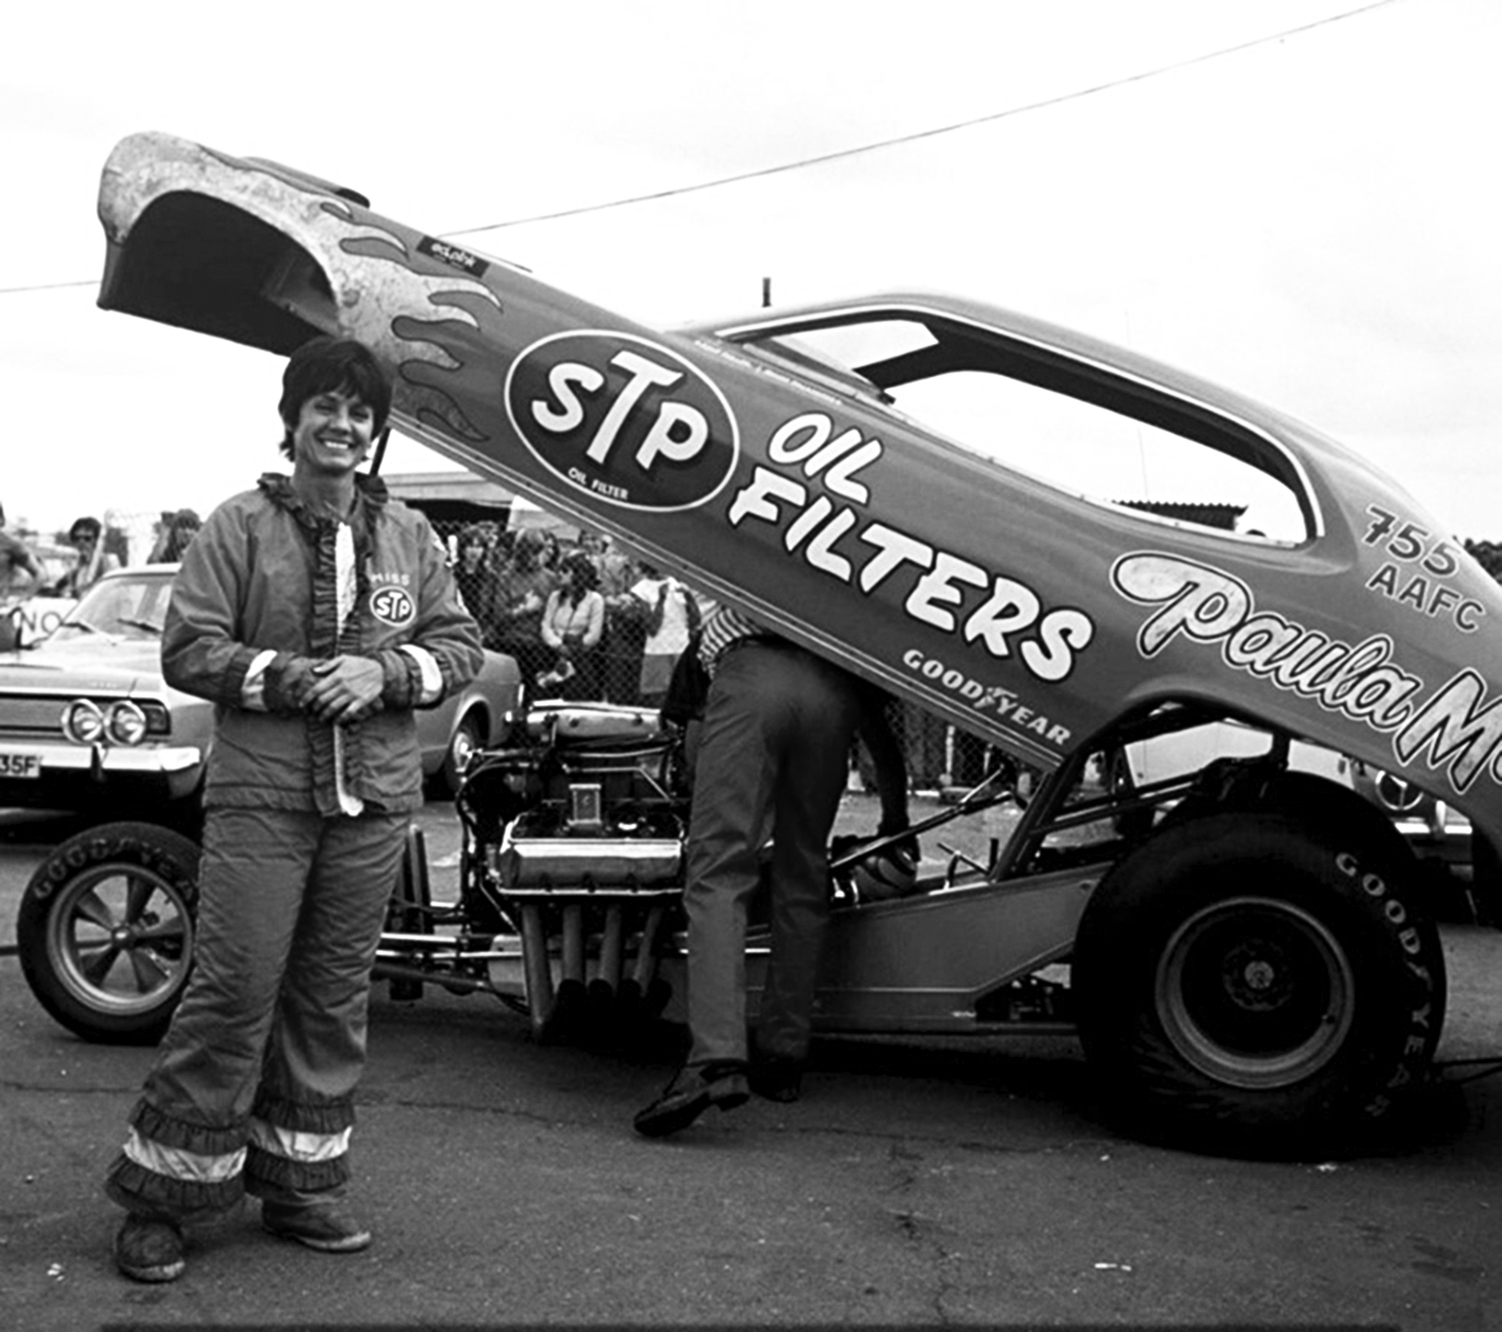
x=20, y=765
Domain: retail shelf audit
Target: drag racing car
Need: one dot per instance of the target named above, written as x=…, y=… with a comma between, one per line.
x=1245, y=950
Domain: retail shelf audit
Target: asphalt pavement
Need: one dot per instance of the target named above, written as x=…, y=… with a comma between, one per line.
x=918, y=1183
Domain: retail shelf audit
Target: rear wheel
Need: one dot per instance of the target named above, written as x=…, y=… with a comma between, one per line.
x=105, y=930
x=1248, y=986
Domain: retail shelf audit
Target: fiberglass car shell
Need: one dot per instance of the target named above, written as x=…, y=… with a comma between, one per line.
x=789, y=484
x=1249, y=953
x=107, y=653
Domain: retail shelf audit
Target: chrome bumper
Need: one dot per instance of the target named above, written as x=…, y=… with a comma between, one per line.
x=60, y=756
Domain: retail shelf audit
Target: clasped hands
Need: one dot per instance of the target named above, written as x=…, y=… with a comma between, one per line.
x=337, y=690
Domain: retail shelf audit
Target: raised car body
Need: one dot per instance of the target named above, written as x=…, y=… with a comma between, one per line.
x=793, y=488
x=1250, y=956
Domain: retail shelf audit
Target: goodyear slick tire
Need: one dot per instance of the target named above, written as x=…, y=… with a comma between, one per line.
x=1252, y=986
x=105, y=931
x=1319, y=803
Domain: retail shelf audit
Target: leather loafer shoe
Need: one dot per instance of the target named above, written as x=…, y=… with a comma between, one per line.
x=327, y=1229
x=777, y=1079
x=690, y=1094
x=149, y=1249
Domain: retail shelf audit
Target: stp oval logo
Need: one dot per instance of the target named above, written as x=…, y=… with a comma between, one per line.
x=623, y=419
x=392, y=605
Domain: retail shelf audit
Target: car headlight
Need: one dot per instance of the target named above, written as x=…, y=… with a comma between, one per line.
x=126, y=723
x=123, y=722
x=83, y=722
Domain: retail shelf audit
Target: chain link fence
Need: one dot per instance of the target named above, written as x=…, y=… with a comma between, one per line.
x=941, y=758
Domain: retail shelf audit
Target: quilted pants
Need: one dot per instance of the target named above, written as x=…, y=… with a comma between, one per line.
x=253, y=1085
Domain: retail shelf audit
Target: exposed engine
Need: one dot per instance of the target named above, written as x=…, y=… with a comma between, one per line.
x=575, y=841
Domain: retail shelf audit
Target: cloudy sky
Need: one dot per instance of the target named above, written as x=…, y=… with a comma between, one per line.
x=1293, y=197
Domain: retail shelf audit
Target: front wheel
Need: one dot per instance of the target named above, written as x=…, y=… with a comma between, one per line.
x=105, y=931
x=466, y=739
x=1247, y=986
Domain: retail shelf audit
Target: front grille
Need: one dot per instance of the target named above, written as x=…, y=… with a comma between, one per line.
x=31, y=716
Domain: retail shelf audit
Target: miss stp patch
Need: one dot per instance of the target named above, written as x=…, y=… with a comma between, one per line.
x=393, y=606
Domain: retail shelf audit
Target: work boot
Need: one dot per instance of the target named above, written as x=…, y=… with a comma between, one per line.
x=690, y=1094
x=326, y=1227
x=150, y=1249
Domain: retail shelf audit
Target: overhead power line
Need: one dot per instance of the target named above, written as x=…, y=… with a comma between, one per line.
x=841, y=153
x=917, y=135
x=48, y=286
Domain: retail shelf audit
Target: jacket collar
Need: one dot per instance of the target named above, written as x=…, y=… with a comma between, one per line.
x=371, y=496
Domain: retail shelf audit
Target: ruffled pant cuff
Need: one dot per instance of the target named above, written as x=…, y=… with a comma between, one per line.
x=146, y=1193
x=269, y=1175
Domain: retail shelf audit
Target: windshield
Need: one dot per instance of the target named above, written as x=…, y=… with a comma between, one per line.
x=120, y=607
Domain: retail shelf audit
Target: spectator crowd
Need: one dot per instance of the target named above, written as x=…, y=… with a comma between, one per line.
x=585, y=620
x=70, y=565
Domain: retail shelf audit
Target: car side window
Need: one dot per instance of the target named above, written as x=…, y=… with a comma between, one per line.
x=1074, y=425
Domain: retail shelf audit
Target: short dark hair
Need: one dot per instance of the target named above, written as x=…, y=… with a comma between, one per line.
x=84, y=527
x=577, y=562
x=328, y=364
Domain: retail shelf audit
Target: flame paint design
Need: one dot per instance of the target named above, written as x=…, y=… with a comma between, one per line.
x=379, y=278
x=370, y=271
x=379, y=296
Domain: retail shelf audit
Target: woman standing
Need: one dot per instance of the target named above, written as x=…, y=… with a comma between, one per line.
x=178, y=531
x=521, y=597
x=477, y=579
x=625, y=627
x=573, y=623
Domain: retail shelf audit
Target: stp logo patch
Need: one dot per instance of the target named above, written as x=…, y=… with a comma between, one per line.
x=623, y=419
x=392, y=605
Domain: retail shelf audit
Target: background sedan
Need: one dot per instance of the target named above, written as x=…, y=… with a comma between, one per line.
x=88, y=724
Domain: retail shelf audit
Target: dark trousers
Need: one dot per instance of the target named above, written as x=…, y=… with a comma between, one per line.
x=771, y=764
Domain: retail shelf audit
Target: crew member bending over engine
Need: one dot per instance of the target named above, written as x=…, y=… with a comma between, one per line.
x=316, y=615
x=772, y=763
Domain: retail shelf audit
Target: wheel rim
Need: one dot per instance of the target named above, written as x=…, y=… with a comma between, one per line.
x=120, y=939
x=1255, y=992
x=1398, y=795
x=464, y=743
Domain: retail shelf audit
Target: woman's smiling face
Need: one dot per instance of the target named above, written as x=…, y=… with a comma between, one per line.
x=333, y=432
